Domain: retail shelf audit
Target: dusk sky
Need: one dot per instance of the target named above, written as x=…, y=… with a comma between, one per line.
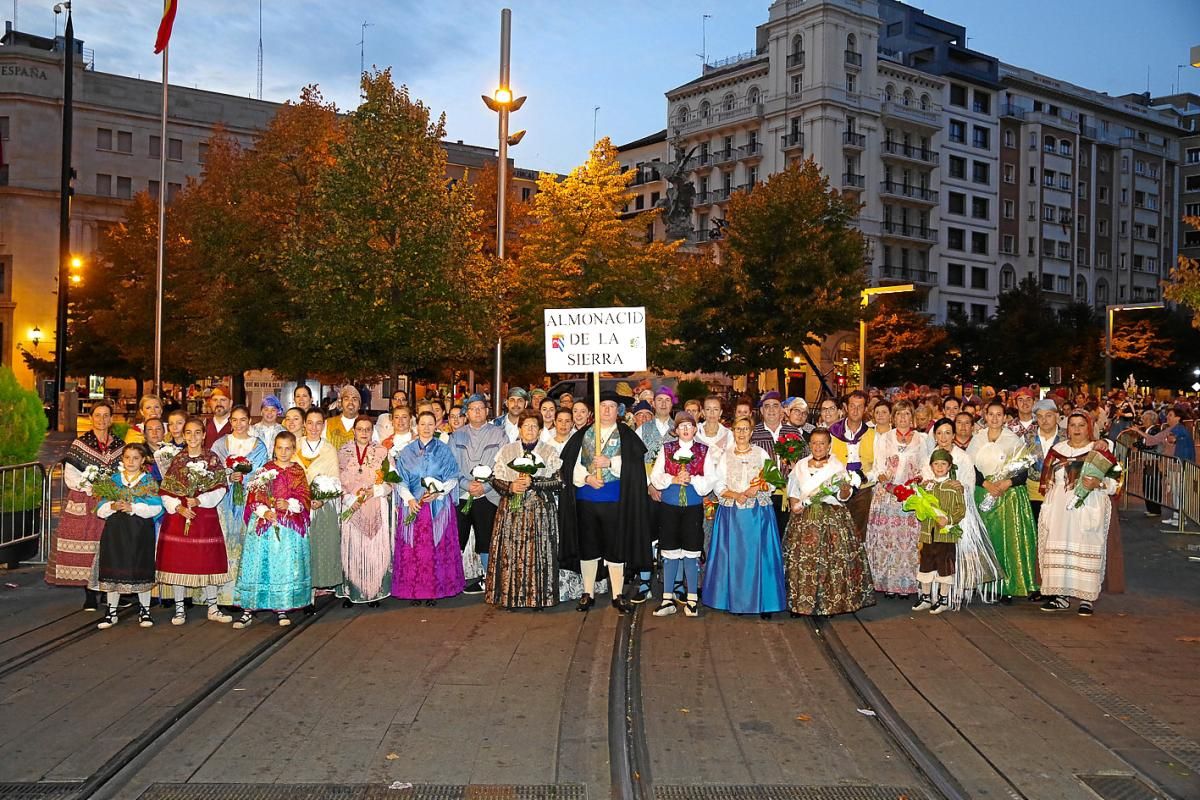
x=570, y=56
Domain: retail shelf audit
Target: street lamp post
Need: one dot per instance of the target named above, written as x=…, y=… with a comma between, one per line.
x=503, y=103
x=64, y=218
x=867, y=294
x=1109, y=312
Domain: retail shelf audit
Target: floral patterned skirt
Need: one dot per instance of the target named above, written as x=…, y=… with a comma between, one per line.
x=825, y=563
x=892, y=538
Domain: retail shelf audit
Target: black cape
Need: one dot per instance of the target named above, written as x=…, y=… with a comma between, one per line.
x=631, y=544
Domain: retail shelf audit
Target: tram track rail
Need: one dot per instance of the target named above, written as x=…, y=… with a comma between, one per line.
x=52, y=645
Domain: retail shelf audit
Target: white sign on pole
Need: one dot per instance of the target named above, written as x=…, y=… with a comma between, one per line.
x=595, y=339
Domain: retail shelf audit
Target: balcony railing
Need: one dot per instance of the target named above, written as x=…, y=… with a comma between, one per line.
x=912, y=113
x=796, y=59
x=909, y=191
x=790, y=140
x=719, y=115
x=908, y=151
x=909, y=231
x=752, y=150
x=720, y=195
x=854, y=181
x=909, y=274
x=1012, y=110
x=852, y=139
x=721, y=156
x=853, y=59
x=702, y=161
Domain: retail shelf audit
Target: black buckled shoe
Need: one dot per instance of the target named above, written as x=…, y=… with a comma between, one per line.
x=585, y=603
x=622, y=605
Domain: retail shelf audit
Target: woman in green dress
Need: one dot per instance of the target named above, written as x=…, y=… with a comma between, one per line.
x=318, y=457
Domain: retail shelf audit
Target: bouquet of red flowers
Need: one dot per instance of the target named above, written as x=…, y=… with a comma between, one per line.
x=791, y=447
x=903, y=491
x=241, y=466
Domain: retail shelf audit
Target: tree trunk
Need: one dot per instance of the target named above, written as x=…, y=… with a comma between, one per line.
x=141, y=389
x=781, y=382
x=238, y=388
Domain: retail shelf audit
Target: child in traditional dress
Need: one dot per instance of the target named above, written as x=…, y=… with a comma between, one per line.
x=275, y=572
x=939, y=536
x=125, y=560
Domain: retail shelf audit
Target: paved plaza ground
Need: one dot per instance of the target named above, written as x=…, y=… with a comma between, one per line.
x=1011, y=702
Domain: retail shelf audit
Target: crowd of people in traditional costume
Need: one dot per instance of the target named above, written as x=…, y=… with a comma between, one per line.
x=754, y=507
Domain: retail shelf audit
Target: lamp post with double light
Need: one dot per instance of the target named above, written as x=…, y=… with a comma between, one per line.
x=867, y=294
x=503, y=103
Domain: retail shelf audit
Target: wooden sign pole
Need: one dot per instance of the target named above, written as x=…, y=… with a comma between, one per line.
x=596, y=414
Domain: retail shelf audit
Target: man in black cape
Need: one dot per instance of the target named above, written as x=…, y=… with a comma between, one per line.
x=604, y=510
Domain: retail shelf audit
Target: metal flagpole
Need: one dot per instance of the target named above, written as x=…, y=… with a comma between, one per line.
x=64, y=226
x=162, y=218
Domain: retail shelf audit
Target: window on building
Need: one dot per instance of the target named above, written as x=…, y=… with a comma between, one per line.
x=796, y=81
x=979, y=278
x=1010, y=138
x=956, y=239
x=958, y=168
x=1191, y=209
x=957, y=202
x=103, y=185
x=1008, y=278
x=1124, y=163
x=1102, y=194
x=851, y=83
x=955, y=274
x=1081, y=257
x=1102, y=163
x=155, y=148
x=981, y=172
x=1032, y=210
x=1192, y=183
x=1064, y=251
x=1008, y=244
x=1033, y=176
x=1083, y=157
x=1081, y=223
x=1048, y=248
x=1102, y=292
x=124, y=141
x=173, y=190
x=981, y=137
x=526, y=194
x=958, y=95
x=1063, y=284
x=1192, y=156
x=104, y=139
x=958, y=131
x=1191, y=238
x=1048, y=176
x=1082, y=191
x=1008, y=208
x=1102, y=227
x=979, y=313
x=1031, y=248
x=202, y=153
x=654, y=199
x=983, y=102
x=955, y=309
x=125, y=188
x=1139, y=167
x=152, y=189
x=980, y=207
x=1047, y=283
x=979, y=243
x=1033, y=140
x=175, y=149
x=1010, y=173
x=1049, y=212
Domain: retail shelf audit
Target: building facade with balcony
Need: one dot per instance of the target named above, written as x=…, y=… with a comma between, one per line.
x=1186, y=108
x=934, y=139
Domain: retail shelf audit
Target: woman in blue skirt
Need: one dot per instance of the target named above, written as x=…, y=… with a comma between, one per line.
x=744, y=570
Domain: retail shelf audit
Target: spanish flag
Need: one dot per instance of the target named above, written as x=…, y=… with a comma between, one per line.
x=164, y=27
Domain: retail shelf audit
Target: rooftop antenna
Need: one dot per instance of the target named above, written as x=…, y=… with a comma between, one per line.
x=595, y=114
x=703, y=54
x=260, y=52
x=15, y=18
x=362, y=49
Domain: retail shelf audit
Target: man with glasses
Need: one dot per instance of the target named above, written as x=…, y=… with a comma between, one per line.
x=765, y=435
x=853, y=443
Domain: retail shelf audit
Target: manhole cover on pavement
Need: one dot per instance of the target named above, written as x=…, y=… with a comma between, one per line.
x=787, y=793
x=36, y=791
x=332, y=791
x=1120, y=787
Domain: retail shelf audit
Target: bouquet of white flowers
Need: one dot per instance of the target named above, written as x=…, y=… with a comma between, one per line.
x=1022, y=459
x=430, y=485
x=94, y=474
x=526, y=464
x=261, y=486
x=483, y=474
x=833, y=487
x=325, y=487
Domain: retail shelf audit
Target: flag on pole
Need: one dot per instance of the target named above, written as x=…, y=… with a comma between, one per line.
x=164, y=27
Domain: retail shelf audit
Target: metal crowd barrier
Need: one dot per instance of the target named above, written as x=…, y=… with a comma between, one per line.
x=24, y=521
x=1162, y=480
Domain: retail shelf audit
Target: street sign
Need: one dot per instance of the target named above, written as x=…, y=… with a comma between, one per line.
x=595, y=339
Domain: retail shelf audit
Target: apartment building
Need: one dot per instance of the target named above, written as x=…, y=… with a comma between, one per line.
x=1186, y=108
x=648, y=186
x=973, y=174
x=116, y=150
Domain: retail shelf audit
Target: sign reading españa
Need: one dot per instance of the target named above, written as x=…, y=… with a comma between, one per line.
x=595, y=339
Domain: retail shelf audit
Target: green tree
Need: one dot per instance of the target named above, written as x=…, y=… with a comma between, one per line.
x=792, y=274
x=581, y=249
x=1183, y=285
x=1022, y=339
x=389, y=277
x=902, y=345
x=24, y=425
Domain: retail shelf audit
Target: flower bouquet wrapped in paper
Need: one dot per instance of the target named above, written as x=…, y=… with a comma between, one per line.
x=832, y=487
x=430, y=485
x=242, y=466
x=925, y=505
x=1021, y=460
x=1098, y=464
x=790, y=447
x=682, y=459
x=262, y=487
